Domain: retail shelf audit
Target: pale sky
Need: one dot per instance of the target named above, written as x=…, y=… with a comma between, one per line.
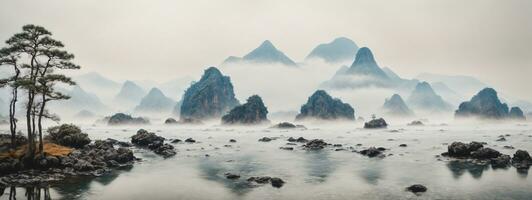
x=162, y=40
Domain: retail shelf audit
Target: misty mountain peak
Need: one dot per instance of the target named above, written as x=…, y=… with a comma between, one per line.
x=267, y=53
x=396, y=106
x=366, y=65
x=340, y=49
x=155, y=92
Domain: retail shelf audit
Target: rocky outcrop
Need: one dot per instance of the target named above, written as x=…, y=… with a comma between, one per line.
x=252, y=112
x=425, y=98
x=124, y=119
x=486, y=105
x=68, y=135
x=516, y=113
x=322, y=106
x=315, y=144
x=153, y=142
x=478, y=154
x=395, y=106
x=210, y=97
x=522, y=160
x=340, y=49
x=376, y=123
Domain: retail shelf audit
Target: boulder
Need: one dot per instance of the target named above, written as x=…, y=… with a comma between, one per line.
x=373, y=152
x=68, y=135
x=252, y=112
x=376, y=123
x=322, y=106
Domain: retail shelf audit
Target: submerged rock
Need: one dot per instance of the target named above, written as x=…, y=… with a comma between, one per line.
x=265, y=139
x=417, y=188
x=300, y=139
x=124, y=119
x=153, y=142
x=315, y=144
x=275, y=182
x=210, y=97
x=373, y=152
x=322, y=106
x=521, y=160
x=376, y=123
x=415, y=123
x=252, y=112
x=68, y=135
x=231, y=176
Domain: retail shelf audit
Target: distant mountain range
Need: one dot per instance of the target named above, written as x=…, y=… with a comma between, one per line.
x=129, y=95
x=339, y=50
x=79, y=100
x=266, y=53
x=155, y=102
x=424, y=98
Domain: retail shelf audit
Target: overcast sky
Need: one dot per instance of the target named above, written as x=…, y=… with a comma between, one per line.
x=162, y=40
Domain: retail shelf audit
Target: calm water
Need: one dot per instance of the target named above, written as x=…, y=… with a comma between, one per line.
x=325, y=174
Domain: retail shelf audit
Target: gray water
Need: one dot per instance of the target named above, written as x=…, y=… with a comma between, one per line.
x=324, y=174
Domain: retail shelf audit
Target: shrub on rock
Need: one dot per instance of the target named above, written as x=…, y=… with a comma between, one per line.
x=68, y=135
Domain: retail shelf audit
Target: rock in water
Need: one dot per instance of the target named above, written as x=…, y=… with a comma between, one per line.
x=153, y=142
x=322, y=106
x=417, y=188
x=170, y=121
x=341, y=49
x=68, y=135
x=376, y=123
x=395, y=106
x=424, y=98
x=516, y=113
x=252, y=112
x=210, y=97
x=284, y=125
x=486, y=105
x=123, y=119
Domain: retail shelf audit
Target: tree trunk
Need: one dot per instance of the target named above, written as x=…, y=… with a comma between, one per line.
x=12, y=120
x=31, y=141
x=41, y=113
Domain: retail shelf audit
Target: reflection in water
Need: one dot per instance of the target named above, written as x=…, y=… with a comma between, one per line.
x=458, y=168
x=31, y=193
x=372, y=173
x=318, y=165
x=215, y=169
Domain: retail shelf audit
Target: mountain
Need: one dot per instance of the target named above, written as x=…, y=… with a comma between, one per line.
x=463, y=85
x=395, y=106
x=129, y=94
x=211, y=97
x=266, y=53
x=447, y=93
x=321, y=105
x=79, y=100
x=364, y=72
x=107, y=89
x=340, y=49
x=155, y=102
x=391, y=74
x=424, y=98
x=486, y=105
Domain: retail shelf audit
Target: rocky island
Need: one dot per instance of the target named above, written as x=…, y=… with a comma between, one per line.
x=486, y=105
x=252, y=112
x=322, y=106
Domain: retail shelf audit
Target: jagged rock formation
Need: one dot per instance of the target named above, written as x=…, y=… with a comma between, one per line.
x=210, y=97
x=123, y=119
x=486, y=104
x=322, y=106
x=395, y=106
x=130, y=94
x=252, y=112
x=266, y=53
x=424, y=98
x=155, y=102
x=340, y=49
